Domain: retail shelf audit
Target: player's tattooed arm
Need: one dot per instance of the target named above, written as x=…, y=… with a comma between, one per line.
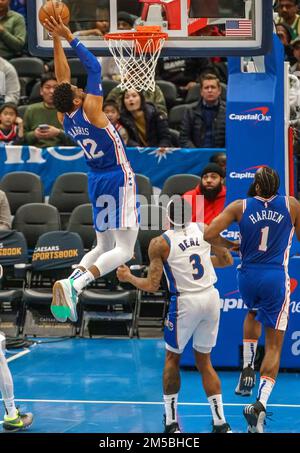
x=151, y=283
x=232, y=213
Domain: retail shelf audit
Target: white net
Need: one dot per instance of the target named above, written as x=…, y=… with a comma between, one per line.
x=136, y=60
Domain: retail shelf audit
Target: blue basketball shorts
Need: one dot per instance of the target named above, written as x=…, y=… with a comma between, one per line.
x=113, y=196
x=266, y=290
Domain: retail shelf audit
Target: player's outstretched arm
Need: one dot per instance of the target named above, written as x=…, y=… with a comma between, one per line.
x=151, y=283
x=61, y=66
x=231, y=214
x=221, y=257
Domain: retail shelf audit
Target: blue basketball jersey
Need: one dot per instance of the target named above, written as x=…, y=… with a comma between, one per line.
x=103, y=147
x=266, y=231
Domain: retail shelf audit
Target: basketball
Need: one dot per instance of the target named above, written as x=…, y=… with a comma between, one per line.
x=54, y=8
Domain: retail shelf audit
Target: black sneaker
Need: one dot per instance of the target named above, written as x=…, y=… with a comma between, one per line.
x=225, y=428
x=20, y=422
x=255, y=415
x=172, y=428
x=246, y=382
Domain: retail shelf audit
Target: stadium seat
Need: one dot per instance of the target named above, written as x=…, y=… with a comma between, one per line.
x=28, y=69
x=179, y=184
x=34, y=219
x=54, y=257
x=22, y=187
x=176, y=115
x=81, y=222
x=169, y=91
x=108, y=85
x=35, y=95
x=69, y=191
x=21, y=110
x=144, y=187
x=113, y=307
x=13, y=252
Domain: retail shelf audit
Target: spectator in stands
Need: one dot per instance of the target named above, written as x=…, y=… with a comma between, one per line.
x=219, y=159
x=19, y=6
x=5, y=214
x=204, y=125
x=295, y=69
x=11, y=125
x=101, y=27
x=287, y=12
x=9, y=83
x=12, y=31
x=112, y=111
x=214, y=192
x=284, y=33
x=110, y=70
x=183, y=72
x=157, y=98
x=145, y=125
x=41, y=126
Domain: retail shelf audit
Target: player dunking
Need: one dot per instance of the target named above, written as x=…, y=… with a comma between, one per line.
x=111, y=180
x=184, y=257
x=267, y=222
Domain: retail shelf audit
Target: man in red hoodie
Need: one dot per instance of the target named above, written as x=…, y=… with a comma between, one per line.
x=214, y=192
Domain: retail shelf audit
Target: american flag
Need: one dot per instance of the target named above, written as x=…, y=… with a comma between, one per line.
x=238, y=27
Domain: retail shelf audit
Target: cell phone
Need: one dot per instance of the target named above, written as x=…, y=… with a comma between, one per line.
x=43, y=127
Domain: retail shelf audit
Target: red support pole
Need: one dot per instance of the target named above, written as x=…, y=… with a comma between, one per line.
x=291, y=163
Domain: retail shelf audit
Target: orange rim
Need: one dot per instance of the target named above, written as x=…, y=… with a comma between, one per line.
x=141, y=34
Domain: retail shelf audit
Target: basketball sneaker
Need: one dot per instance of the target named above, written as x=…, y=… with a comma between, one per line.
x=255, y=415
x=225, y=428
x=20, y=422
x=172, y=428
x=246, y=382
x=65, y=299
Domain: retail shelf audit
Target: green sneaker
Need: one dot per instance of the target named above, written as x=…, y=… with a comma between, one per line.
x=65, y=299
x=22, y=421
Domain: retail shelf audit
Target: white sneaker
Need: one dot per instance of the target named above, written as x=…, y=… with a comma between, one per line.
x=65, y=299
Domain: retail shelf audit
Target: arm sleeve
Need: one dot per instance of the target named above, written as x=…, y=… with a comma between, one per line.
x=92, y=67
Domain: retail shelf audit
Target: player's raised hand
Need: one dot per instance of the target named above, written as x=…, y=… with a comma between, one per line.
x=57, y=28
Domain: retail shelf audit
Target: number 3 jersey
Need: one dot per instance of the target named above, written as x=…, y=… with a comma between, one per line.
x=266, y=231
x=188, y=267
x=103, y=147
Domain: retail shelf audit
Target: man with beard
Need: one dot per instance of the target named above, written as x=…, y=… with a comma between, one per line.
x=213, y=191
x=267, y=222
x=204, y=125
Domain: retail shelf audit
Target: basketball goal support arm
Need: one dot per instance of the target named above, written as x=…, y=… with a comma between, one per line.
x=91, y=65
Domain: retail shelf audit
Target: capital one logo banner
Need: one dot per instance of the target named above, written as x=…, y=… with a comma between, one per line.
x=246, y=173
x=255, y=115
x=233, y=301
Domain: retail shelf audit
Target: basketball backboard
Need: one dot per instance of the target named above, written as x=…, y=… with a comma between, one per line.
x=195, y=27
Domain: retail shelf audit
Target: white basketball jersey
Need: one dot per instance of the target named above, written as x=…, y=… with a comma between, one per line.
x=188, y=267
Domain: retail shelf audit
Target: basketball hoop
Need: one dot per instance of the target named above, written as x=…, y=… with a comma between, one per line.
x=136, y=54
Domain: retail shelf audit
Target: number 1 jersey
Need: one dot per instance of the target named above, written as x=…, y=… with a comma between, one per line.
x=266, y=231
x=188, y=267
